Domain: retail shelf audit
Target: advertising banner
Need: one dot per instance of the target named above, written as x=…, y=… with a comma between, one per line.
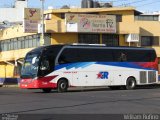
x=91, y=23
x=32, y=17
x=30, y=26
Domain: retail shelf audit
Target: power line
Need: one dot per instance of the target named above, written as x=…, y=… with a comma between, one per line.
x=148, y=3
x=126, y=4
x=119, y=0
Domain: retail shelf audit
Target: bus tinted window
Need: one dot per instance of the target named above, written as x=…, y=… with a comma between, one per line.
x=103, y=55
x=141, y=56
x=75, y=55
x=106, y=55
x=133, y=55
x=85, y=55
x=48, y=57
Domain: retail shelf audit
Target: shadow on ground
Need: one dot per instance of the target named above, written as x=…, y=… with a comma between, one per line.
x=92, y=89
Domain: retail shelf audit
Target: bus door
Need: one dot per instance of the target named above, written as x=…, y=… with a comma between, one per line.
x=75, y=79
x=116, y=78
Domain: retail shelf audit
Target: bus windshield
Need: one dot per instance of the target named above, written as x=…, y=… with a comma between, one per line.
x=30, y=67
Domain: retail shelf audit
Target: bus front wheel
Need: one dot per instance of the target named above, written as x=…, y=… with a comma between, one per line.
x=131, y=83
x=62, y=85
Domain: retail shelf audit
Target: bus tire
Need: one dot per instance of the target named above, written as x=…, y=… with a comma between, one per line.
x=62, y=85
x=46, y=90
x=131, y=83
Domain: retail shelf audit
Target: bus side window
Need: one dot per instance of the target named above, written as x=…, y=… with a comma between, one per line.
x=122, y=57
x=67, y=56
x=62, y=60
x=44, y=64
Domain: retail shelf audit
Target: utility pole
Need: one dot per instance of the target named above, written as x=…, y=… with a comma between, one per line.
x=42, y=22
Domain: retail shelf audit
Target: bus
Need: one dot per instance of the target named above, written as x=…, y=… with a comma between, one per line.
x=63, y=66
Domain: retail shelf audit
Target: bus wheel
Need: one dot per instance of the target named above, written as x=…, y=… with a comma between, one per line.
x=62, y=85
x=47, y=90
x=131, y=83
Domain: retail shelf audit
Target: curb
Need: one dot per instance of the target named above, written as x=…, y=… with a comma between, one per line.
x=9, y=86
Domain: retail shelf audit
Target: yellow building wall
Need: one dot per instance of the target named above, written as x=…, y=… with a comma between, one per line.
x=127, y=28
x=149, y=28
x=15, y=31
x=61, y=38
x=122, y=41
x=2, y=69
x=55, y=26
x=6, y=71
x=127, y=16
x=13, y=55
x=73, y=38
x=56, y=16
x=9, y=71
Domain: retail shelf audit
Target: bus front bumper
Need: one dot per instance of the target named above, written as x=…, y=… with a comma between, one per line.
x=40, y=83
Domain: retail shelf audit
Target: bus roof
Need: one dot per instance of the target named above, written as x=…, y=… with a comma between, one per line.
x=41, y=48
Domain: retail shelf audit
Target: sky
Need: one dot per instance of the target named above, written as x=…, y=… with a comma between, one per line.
x=141, y=5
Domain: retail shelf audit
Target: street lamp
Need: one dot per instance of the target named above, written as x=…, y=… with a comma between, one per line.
x=42, y=21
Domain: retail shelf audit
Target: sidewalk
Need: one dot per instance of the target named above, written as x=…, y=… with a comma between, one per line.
x=6, y=86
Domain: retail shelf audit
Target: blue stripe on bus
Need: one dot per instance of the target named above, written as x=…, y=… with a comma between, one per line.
x=86, y=64
x=74, y=65
x=124, y=64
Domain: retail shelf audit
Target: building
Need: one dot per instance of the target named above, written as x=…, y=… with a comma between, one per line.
x=14, y=13
x=132, y=29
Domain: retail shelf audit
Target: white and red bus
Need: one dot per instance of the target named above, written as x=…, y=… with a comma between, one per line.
x=62, y=66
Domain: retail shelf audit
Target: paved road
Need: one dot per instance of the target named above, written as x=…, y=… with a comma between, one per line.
x=101, y=101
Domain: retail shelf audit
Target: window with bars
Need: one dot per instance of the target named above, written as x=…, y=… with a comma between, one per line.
x=20, y=43
x=118, y=17
x=89, y=38
x=147, y=17
x=110, y=39
x=150, y=41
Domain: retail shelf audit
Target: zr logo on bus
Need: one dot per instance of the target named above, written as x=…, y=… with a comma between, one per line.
x=102, y=75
